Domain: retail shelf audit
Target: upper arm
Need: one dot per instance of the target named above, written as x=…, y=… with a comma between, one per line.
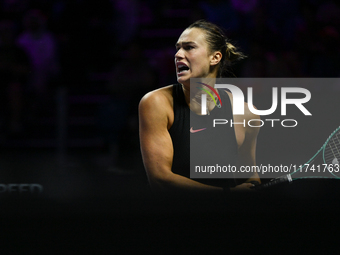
x=155, y=140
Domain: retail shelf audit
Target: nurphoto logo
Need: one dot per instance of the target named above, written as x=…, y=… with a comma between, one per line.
x=239, y=99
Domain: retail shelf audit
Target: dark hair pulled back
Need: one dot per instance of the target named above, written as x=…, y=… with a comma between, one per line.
x=217, y=41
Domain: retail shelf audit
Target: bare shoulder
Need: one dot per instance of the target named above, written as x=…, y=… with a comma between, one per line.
x=253, y=119
x=157, y=104
x=157, y=97
x=248, y=115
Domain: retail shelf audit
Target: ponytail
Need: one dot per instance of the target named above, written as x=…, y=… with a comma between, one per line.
x=232, y=54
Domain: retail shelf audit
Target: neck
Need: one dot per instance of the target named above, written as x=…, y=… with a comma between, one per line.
x=194, y=92
x=186, y=92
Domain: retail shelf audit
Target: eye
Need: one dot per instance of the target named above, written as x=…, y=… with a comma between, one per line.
x=189, y=47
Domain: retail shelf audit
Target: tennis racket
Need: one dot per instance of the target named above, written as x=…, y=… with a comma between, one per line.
x=324, y=164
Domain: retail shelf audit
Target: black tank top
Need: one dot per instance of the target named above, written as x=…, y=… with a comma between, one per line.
x=206, y=141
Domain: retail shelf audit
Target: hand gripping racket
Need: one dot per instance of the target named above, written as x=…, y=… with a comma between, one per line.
x=324, y=164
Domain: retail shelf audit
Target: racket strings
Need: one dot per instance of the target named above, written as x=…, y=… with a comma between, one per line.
x=337, y=144
x=332, y=154
x=332, y=150
x=331, y=157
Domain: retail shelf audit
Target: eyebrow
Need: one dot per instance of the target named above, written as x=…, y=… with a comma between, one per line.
x=184, y=43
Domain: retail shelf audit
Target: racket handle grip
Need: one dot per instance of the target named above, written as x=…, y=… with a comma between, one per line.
x=275, y=181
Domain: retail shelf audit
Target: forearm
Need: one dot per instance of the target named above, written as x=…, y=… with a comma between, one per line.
x=177, y=183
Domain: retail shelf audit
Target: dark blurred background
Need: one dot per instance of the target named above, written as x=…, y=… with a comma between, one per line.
x=72, y=73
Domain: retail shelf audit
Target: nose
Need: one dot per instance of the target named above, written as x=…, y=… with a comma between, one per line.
x=179, y=54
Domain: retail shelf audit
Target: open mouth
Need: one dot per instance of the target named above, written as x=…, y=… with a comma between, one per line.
x=182, y=68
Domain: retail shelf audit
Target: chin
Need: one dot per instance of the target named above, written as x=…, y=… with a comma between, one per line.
x=183, y=80
x=185, y=83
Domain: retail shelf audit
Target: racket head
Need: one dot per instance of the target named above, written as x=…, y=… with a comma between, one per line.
x=331, y=153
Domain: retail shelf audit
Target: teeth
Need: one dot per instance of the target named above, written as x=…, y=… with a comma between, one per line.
x=180, y=66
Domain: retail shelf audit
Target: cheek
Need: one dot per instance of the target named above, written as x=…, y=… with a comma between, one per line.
x=199, y=62
x=203, y=65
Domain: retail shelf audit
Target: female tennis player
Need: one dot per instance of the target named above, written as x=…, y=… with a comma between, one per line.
x=203, y=51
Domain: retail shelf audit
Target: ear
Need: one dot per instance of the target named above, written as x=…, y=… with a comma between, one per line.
x=215, y=58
